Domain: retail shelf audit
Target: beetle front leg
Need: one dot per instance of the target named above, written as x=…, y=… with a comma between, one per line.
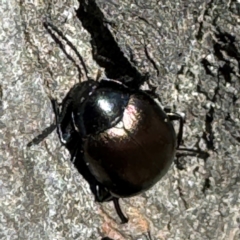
x=42, y=136
x=178, y=117
x=63, y=122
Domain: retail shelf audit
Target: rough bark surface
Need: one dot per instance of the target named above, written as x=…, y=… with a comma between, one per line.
x=191, y=50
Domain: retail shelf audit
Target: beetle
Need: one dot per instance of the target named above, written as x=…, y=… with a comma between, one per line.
x=120, y=138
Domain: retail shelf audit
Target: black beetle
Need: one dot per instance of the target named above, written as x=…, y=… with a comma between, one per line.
x=121, y=140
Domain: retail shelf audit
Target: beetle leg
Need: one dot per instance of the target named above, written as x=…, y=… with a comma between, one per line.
x=167, y=109
x=119, y=211
x=103, y=195
x=149, y=235
x=152, y=93
x=63, y=121
x=42, y=135
x=52, y=127
x=178, y=117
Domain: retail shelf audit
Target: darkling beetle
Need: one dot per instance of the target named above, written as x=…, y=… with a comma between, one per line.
x=120, y=138
x=123, y=137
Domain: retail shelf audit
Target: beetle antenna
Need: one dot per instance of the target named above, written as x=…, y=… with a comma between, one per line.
x=49, y=25
x=119, y=211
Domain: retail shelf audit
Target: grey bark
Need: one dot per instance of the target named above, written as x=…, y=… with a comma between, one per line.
x=191, y=50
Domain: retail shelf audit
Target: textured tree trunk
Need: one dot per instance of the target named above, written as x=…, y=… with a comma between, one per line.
x=190, y=50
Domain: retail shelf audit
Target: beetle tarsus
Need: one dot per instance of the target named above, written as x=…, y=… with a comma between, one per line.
x=42, y=135
x=178, y=117
x=119, y=210
x=149, y=235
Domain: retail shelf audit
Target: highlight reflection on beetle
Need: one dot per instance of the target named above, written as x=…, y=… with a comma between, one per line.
x=122, y=141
